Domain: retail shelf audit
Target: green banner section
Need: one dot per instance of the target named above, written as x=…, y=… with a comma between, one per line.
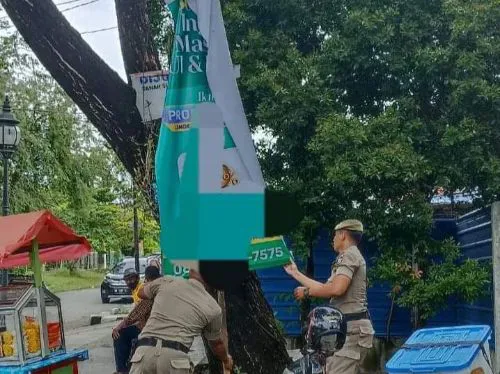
x=175, y=270
x=268, y=252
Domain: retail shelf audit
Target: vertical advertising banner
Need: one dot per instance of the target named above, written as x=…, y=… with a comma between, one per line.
x=209, y=183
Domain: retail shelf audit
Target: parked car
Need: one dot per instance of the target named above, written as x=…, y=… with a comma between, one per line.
x=114, y=286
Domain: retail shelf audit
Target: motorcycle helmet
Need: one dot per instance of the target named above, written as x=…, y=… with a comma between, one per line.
x=326, y=330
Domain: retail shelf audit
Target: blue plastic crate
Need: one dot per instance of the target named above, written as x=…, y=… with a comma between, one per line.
x=444, y=349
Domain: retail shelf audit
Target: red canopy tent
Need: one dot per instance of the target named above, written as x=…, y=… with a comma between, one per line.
x=56, y=241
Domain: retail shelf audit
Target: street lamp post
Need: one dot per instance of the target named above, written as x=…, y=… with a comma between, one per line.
x=10, y=134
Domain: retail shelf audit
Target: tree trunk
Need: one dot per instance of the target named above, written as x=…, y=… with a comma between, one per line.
x=254, y=340
x=108, y=102
x=136, y=39
x=256, y=343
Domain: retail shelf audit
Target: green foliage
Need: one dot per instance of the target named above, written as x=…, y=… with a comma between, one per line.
x=367, y=106
x=432, y=293
x=301, y=239
x=62, y=164
x=440, y=279
x=162, y=28
x=65, y=280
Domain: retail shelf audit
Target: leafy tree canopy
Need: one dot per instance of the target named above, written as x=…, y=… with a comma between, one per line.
x=62, y=164
x=368, y=106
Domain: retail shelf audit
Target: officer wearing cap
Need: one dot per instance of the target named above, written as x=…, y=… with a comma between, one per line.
x=346, y=289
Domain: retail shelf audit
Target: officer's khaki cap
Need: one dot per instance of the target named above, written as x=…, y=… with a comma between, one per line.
x=351, y=225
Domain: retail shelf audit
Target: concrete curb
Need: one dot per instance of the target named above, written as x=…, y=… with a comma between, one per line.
x=105, y=317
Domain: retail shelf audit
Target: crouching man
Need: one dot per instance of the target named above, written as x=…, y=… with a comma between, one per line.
x=182, y=310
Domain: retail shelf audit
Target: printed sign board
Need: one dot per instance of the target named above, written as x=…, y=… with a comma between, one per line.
x=150, y=88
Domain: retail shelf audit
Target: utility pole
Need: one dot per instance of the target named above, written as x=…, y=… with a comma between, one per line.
x=136, y=230
x=495, y=232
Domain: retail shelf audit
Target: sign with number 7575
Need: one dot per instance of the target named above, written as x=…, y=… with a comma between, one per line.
x=263, y=253
x=267, y=253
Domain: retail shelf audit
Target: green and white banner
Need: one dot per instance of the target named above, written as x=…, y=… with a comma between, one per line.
x=210, y=187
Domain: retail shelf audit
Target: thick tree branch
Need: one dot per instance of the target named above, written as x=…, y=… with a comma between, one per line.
x=140, y=55
x=136, y=39
x=98, y=90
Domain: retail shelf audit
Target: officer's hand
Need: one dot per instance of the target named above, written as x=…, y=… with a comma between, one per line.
x=299, y=293
x=116, y=333
x=228, y=364
x=291, y=268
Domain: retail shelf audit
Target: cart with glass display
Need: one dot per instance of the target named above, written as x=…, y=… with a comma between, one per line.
x=31, y=324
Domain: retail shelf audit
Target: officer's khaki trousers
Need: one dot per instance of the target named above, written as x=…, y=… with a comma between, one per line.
x=358, y=342
x=345, y=365
x=158, y=360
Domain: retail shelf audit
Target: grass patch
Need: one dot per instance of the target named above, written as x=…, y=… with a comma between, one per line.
x=61, y=280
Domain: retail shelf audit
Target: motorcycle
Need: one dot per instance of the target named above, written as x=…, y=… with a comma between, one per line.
x=325, y=334
x=308, y=363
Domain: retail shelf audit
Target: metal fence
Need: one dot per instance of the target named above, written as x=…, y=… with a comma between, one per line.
x=91, y=261
x=473, y=233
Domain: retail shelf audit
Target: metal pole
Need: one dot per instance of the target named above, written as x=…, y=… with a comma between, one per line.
x=495, y=231
x=414, y=268
x=136, y=233
x=5, y=200
x=4, y=274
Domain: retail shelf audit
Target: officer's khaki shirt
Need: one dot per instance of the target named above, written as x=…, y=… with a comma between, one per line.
x=351, y=264
x=182, y=310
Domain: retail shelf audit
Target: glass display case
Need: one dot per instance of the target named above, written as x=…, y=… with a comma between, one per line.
x=31, y=325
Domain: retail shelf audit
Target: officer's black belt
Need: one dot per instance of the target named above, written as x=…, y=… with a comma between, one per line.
x=356, y=316
x=151, y=342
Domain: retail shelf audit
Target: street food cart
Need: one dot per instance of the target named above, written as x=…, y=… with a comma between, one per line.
x=31, y=325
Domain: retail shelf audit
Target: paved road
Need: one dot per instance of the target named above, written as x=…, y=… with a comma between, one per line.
x=77, y=306
x=97, y=339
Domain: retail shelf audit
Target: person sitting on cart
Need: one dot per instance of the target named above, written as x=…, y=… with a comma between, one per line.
x=130, y=327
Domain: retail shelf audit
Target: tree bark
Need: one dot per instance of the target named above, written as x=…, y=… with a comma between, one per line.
x=255, y=342
x=136, y=39
x=108, y=102
x=139, y=55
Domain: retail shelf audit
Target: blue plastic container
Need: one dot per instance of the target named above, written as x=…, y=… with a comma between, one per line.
x=458, y=349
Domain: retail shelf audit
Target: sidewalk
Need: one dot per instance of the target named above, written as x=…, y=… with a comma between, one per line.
x=97, y=339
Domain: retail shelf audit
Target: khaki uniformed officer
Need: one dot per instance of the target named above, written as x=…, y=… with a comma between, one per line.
x=182, y=310
x=346, y=289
